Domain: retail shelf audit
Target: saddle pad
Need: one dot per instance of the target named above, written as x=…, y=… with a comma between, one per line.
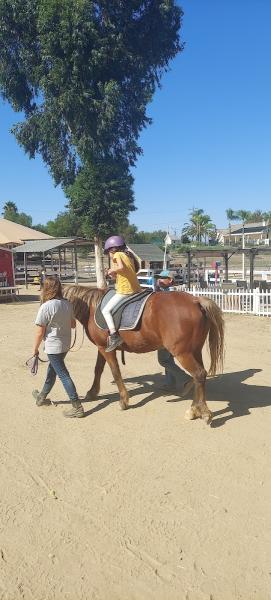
x=127, y=312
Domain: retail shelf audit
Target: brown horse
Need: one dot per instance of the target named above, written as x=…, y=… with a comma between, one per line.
x=176, y=321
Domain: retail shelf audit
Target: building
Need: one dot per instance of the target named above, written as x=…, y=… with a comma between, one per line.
x=255, y=234
x=151, y=256
x=57, y=255
x=172, y=240
x=6, y=268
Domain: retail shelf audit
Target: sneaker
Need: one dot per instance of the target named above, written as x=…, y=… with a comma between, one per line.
x=76, y=412
x=39, y=397
x=113, y=342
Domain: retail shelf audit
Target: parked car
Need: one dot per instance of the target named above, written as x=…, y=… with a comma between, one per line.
x=146, y=278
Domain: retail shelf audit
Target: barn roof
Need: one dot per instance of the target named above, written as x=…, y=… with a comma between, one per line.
x=40, y=246
x=148, y=252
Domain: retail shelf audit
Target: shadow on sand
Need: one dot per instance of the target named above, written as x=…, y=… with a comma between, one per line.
x=228, y=388
x=27, y=298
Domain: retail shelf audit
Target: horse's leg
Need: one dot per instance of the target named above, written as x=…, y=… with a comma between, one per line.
x=194, y=366
x=95, y=388
x=111, y=359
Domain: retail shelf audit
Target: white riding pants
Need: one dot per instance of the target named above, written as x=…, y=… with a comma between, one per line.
x=109, y=307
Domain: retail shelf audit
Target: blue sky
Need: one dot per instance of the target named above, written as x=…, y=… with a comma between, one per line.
x=210, y=142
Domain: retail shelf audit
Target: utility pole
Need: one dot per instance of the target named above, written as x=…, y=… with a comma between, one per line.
x=243, y=255
x=165, y=250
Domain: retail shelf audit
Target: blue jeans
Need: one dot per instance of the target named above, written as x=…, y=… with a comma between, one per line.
x=174, y=375
x=58, y=368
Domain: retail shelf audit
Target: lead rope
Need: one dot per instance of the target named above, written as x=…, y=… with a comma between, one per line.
x=33, y=362
x=83, y=336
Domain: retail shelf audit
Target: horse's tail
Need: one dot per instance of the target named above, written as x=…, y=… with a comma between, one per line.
x=216, y=333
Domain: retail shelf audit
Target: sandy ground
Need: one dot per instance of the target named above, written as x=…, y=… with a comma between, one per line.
x=135, y=505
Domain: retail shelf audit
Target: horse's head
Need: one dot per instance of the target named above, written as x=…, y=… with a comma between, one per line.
x=82, y=299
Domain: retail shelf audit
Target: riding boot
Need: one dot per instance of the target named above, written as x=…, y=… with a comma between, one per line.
x=39, y=397
x=113, y=341
x=76, y=411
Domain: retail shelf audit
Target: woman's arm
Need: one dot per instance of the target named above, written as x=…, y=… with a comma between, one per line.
x=40, y=331
x=118, y=267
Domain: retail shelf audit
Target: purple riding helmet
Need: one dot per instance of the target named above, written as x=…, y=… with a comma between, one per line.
x=115, y=241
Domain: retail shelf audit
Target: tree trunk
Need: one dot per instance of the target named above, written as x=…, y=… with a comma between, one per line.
x=101, y=283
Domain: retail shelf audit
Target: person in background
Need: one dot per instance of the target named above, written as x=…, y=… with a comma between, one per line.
x=175, y=378
x=125, y=266
x=54, y=322
x=164, y=282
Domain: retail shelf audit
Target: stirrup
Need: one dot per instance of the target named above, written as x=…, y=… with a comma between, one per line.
x=113, y=342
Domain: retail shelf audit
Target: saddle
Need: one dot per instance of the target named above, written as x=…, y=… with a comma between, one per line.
x=126, y=313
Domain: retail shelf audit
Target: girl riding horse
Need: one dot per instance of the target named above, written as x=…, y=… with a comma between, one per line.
x=125, y=265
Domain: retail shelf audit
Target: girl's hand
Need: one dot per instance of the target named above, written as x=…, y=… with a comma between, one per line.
x=111, y=273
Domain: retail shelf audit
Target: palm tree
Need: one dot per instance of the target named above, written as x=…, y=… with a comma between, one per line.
x=231, y=216
x=200, y=225
x=10, y=211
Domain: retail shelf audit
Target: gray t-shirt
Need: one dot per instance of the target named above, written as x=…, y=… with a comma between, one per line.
x=56, y=315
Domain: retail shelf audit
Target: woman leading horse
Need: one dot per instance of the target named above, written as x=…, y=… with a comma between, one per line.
x=176, y=321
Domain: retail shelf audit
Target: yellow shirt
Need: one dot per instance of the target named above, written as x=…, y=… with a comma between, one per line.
x=126, y=282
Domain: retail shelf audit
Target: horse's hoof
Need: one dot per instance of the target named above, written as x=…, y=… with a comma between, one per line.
x=190, y=414
x=207, y=418
x=123, y=405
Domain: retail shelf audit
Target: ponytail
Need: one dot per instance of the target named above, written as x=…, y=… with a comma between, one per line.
x=136, y=260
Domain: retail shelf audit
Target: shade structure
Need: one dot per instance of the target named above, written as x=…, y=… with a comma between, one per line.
x=226, y=253
x=42, y=247
x=14, y=234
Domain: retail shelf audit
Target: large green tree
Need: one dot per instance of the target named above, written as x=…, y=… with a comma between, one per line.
x=66, y=224
x=83, y=72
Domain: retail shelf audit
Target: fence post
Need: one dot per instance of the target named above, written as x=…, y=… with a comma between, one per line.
x=256, y=301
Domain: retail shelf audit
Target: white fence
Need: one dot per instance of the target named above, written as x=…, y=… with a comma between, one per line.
x=240, y=301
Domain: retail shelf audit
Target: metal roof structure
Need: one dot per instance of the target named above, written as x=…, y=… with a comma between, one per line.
x=42, y=246
x=221, y=251
x=149, y=252
x=52, y=246
x=227, y=253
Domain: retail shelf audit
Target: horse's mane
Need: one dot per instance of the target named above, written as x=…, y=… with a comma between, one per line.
x=82, y=299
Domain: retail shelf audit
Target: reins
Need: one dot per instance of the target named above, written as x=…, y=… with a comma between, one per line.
x=33, y=362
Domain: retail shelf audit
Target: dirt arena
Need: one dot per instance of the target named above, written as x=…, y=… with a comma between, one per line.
x=135, y=505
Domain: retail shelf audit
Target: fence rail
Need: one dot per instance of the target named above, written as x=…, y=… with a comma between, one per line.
x=254, y=302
